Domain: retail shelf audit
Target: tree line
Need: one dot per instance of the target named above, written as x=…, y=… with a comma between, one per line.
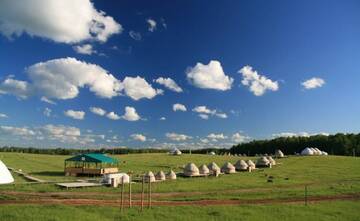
x=338, y=144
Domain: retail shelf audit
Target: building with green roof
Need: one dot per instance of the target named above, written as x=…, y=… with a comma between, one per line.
x=90, y=164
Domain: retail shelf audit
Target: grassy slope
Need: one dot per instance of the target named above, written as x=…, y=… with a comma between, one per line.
x=327, y=211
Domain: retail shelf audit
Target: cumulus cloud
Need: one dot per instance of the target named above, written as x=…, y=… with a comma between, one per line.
x=78, y=115
x=18, y=88
x=3, y=115
x=84, y=49
x=210, y=76
x=138, y=137
x=98, y=111
x=135, y=35
x=179, y=107
x=113, y=116
x=239, y=138
x=205, y=112
x=313, y=83
x=17, y=131
x=47, y=112
x=138, y=88
x=131, y=114
x=216, y=136
x=162, y=118
x=258, y=84
x=64, y=21
x=47, y=100
x=177, y=137
x=299, y=134
x=151, y=24
x=169, y=83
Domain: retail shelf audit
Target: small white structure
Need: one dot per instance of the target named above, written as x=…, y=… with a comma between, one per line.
x=149, y=177
x=5, y=175
x=171, y=175
x=228, y=168
x=279, y=154
x=307, y=152
x=204, y=170
x=212, y=153
x=271, y=160
x=115, y=178
x=251, y=164
x=324, y=153
x=160, y=176
x=263, y=162
x=176, y=152
x=214, y=168
x=241, y=165
x=191, y=170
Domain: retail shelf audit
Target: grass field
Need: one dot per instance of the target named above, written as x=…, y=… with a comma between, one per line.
x=325, y=176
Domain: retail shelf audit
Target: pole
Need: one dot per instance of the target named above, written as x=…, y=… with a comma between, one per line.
x=122, y=194
x=354, y=152
x=129, y=192
x=142, y=194
x=306, y=197
x=149, y=196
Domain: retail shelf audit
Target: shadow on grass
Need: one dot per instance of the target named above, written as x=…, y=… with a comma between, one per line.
x=48, y=173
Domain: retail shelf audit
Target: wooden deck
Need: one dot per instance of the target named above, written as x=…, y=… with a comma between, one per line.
x=78, y=185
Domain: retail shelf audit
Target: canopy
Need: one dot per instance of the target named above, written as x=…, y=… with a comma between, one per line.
x=5, y=175
x=93, y=158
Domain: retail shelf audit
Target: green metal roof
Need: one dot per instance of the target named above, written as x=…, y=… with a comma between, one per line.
x=93, y=158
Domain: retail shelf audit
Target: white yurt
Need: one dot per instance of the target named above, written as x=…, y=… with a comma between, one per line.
x=171, y=175
x=5, y=175
x=212, y=153
x=160, y=176
x=324, y=153
x=176, y=152
x=241, y=165
x=204, y=170
x=116, y=178
x=271, y=160
x=279, y=154
x=214, y=168
x=307, y=152
x=228, y=168
x=191, y=170
x=318, y=152
x=262, y=162
x=149, y=176
x=251, y=164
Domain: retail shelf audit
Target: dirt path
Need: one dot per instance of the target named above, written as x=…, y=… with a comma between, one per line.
x=181, y=203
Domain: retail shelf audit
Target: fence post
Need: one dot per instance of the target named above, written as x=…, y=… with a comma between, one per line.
x=142, y=193
x=122, y=193
x=149, y=180
x=130, y=203
x=306, y=195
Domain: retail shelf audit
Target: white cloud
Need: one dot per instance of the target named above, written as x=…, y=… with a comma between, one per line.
x=46, y=100
x=135, y=35
x=299, y=134
x=169, y=83
x=65, y=21
x=138, y=88
x=177, y=137
x=204, y=116
x=162, y=118
x=205, y=112
x=3, y=115
x=113, y=116
x=17, y=131
x=130, y=114
x=216, y=136
x=84, y=49
x=258, y=84
x=98, y=111
x=78, y=115
x=313, y=83
x=47, y=112
x=138, y=137
x=151, y=24
x=18, y=88
x=179, y=107
x=210, y=76
x=239, y=138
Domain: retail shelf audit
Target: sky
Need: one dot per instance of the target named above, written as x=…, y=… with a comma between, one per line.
x=185, y=74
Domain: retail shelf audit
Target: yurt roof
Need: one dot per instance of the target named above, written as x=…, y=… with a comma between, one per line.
x=213, y=166
x=228, y=165
x=5, y=175
x=191, y=167
x=204, y=168
x=263, y=161
x=241, y=163
x=250, y=162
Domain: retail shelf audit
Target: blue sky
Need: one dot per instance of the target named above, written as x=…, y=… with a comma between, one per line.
x=252, y=69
